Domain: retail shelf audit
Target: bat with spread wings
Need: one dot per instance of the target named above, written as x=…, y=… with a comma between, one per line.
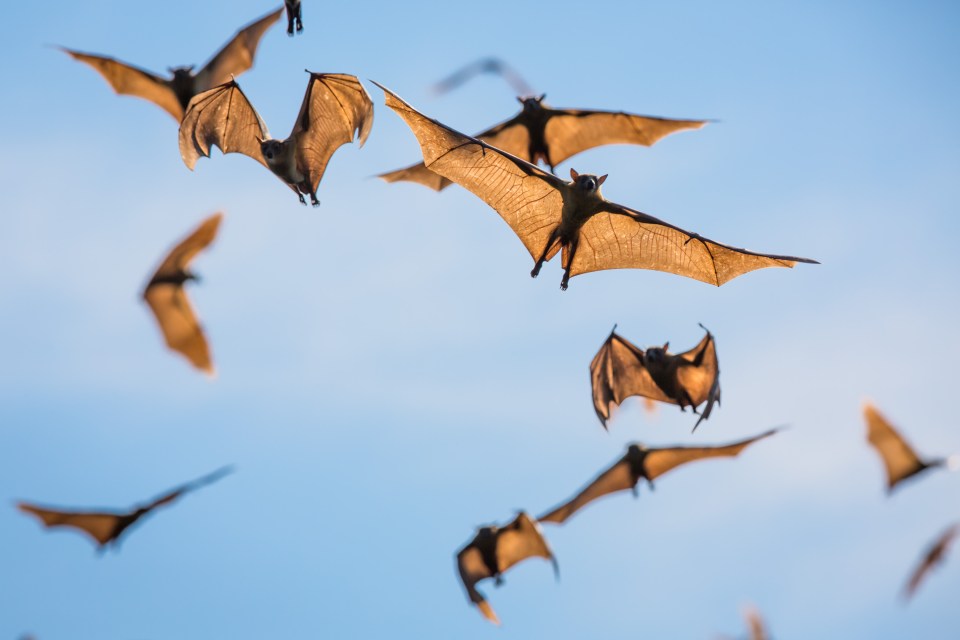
x=642, y=462
x=551, y=215
x=293, y=15
x=173, y=94
x=934, y=556
x=899, y=458
x=107, y=527
x=621, y=370
x=494, y=550
x=168, y=301
x=335, y=108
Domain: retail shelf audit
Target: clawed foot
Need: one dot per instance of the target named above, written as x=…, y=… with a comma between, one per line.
x=303, y=201
x=536, y=269
x=299, y=26
x=563, y=283
x=314, y=201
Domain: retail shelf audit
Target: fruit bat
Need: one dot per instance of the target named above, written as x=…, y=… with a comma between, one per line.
x=293, y=15
x=494, y=550
x=688, y=379
x=899, y=459
x=550, y=214
x=107, y=527
x=173, y=94
x=334, y=109
x=934, y=556
x=169, y=303
x=485, y=65
x=641, y=462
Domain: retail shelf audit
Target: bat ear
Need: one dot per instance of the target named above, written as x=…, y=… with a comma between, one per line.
x=601, y=179
x=573, y=174
x=542, y=96
x=520, y=99
x=666, y=345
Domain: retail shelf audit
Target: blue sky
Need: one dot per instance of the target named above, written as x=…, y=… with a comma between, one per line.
x=389, y=375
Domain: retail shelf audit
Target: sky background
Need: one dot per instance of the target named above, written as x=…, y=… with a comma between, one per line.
x=390, y=377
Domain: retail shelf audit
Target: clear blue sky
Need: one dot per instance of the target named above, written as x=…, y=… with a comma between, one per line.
x=390, y=376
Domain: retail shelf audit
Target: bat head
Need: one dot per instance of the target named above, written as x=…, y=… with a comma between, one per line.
x=271, y=150
x=532, y=103
x=181, y=73
x=656, y=355
x=587, y=182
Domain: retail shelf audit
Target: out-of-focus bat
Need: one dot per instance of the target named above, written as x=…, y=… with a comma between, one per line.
x=934, y=556
x=899, y=459
x=621, y=370
x=335, y=108
x=641, y=462
x=494, y=550
x=495, y=66
x=107, y=527
x=293, y=15
x=168, y=300
x=550, y=214
x=174, y=94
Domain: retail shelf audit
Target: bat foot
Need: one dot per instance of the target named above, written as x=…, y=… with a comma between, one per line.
x=303, y=200
x=313, y=201
x=564, y=283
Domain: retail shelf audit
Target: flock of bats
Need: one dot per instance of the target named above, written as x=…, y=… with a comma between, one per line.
x=550, y=215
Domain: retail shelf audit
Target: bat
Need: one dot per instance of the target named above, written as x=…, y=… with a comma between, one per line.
x=758, y=629
x=168, y=301
x=642, y=462
x=621, y=370
x=108, y=527
x=495, y=66
x=293, y=15
x=335, y=108
x=899, y=458
x=933, y=556
x=550, y=214
x=495, y=549
x=173, y=94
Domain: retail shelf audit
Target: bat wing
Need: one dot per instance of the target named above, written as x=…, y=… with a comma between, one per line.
x=522, y=539
x=484, y=65
x=221, y=117
x=133, y=81
x=237, y=55
x=616, y=478
x=617, y=373
x=472, y=570
x=178, y=322
x=660, y=461
x=899, y=458
x=99, y=526
x=702, y=381
x=931, y=558
x=180, y=257
x=175, y=494
x=758, y=629
x=417, y=173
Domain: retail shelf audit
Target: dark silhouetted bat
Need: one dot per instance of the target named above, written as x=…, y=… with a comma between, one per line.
x=335, y=108
x=494, y=550
x=174, y=94
x=899, y=459
x=169, y=303
x=107, y=527
x=293, y=15
x=641, y=462
x=495, y=66
x=934, y=556
x=550, y=214
x=688, y=379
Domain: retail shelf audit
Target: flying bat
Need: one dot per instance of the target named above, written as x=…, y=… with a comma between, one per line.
x=335, y=108
x=293, y=15
x=168, y=300
x=494, y=550
x=899, y=459
x=934, y=556
x=495, y=66
x=107, y=527
x=173, y=94
x=688, y=379
x=641, y=462
x=550, y=214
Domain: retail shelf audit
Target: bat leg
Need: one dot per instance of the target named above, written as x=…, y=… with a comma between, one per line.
x=313, y=199
x=290, y=26
x=299, y=21
x=498, y=580
x=543, y=256
x=566, y=270
x=303, y=201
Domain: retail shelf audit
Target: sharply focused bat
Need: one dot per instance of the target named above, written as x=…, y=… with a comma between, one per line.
x=620, y=370
x=107, y=527
x=899, y=459
x=293, y=15
x=934, y=556
x=174, y=94
x=169, y=303
x=550, y=214
x=494, y=550
x=641, y=462
x=485, y=65
x=334, y=109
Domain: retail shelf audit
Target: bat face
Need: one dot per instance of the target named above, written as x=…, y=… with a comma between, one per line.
x=586, y=183
x=533, y=104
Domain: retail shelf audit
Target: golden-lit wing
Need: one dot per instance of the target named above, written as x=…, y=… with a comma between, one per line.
x=472, y=569
x=899, y=458
x=617, y=373
x=934, y=555
x=133, y=81
x=660, y=461
x=237, y=55
x=702, y=380
x=417, y=173
x=616, y=478
x=221, y=117
x=519, y=540
x=186, y=250
x=178, y=322
x=99, y=526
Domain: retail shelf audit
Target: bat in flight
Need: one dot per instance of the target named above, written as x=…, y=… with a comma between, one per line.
x=335, y=108
x=494, y=550
x=641, y=462
x=495, y=66
x=899, y=458
x=621, y=370
x=293, y=15
x=173, y=94
x=169, y=303
x=107, y=527
x=550, y=214
x=934, y=556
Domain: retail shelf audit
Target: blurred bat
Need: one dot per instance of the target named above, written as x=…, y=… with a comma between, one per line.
x=494, y=550
x=934, y=556
x=293, y=15
x=334, y=109
x=495, y=66
x=688, y=379
x=755, y=623
x=641, y=462
x=899, y=459
x=107, y=527
x=169, y=303
x=550, y=214
x=174, y=94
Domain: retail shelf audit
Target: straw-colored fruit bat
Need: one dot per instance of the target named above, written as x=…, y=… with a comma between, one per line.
x=107, y=527
x=641, y=462
x=621, y=370
x=495, y=66
x=899, y=459
x=335, y=108
x=550, y=214
x=173, y=94
x=293, y=15
x=494, y=550
x=934, y=556
x=168, y=300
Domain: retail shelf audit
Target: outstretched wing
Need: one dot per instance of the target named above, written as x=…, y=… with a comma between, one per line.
x=186, y=250
x=221, y=117
x=237, y=55
x=616, y=478
x=522, y=539
x=484, y=65
x=133, y=81
x=616, y=373
x=933, y=556
x=660, y=461
x=179, y=324
x=472, y=570
x=175, y=494
x=99, y=526
x=701, y=380
x=899, y=458
x=417, y=173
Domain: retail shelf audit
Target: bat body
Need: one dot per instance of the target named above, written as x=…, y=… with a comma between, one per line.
x=621, y=370
x=641, y=462
x=174, y=93
x=293, y=15
x=107, y=527
x=495, y=66
x=495, y=549
x=551, y=215
x=899, y=459
x=335, y=108
x=934, y=556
